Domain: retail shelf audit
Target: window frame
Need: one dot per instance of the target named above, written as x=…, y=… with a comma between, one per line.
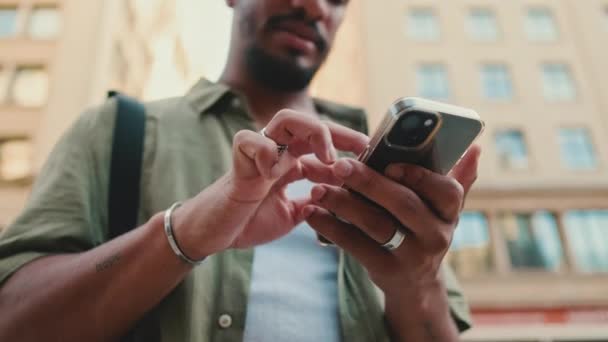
x=17, y=20
x=530, y=30
x=590, y=140
x=526, y=145
x=10, y=98
x=471, y=27
x=414, y=34
x=30, y=15
x=446, y=78
x=508, y=77
x=27, y=178
x=568, y=72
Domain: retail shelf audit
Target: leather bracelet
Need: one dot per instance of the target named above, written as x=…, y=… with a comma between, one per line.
x=171, y=237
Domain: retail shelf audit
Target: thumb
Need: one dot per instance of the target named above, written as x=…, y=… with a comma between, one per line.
x=465, y=172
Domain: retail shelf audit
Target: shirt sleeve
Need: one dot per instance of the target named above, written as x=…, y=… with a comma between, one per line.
x=458, y=304
x=66, y=211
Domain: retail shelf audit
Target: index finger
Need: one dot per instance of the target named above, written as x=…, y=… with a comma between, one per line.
x=346, y=139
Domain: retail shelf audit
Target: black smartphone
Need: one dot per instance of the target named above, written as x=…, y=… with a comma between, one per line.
x=422, y=132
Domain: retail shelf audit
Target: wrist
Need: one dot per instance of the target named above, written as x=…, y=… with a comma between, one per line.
x=422, y=312
x=417, y=301
x=185, y=236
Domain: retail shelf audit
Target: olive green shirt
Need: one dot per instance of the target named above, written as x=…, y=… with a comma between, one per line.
x=187, y=147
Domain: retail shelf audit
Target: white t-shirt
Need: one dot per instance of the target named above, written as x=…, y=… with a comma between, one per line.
x=294, y=292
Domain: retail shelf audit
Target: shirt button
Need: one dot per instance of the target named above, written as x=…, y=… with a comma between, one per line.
x=225, y=321
x=236, y=103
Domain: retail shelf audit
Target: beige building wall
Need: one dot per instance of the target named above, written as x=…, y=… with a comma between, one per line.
x=386, y=61
x=101, y=45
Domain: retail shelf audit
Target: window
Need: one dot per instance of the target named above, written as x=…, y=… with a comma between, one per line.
x=586, y=233
x=433, y=82
x=8, y=21
x=44, y=22
x=532, y=240
x=512, y=150
x=30, y=87
x=423, y=25
x=496, y=81
x=558, y=84
x=15, y=159
x=540, y=25
x=577, y=151
x=471, y=250
x=3, y=84
x=482, y=25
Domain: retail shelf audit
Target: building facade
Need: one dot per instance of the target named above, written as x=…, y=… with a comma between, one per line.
x=531, y=248
x=61, y=56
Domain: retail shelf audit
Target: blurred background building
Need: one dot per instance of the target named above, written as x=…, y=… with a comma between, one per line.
x=532, y=246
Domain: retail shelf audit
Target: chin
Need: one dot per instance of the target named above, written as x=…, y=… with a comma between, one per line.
x=284, y=71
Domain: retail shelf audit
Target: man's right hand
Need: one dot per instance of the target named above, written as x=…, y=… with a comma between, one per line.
x=248, y=206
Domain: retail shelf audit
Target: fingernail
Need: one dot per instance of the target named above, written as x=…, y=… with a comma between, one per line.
x=332, y=154
x=343, y=168
x=317, y=193
x=275, y=171
x=394, y=172
x=307, y=211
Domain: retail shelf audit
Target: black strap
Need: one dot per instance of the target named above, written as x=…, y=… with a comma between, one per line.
x=125, y=168
x=125, y=179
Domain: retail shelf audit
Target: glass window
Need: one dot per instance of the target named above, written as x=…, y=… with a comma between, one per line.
x=30, y=87
x=4, y=77
x=15, y=159
x=586, y=233
x=433, y=82
x=44, y=22
x=423, y=25
x=577, y=152
x=482, y=25
x=471, y=250
x=558, y=84
x=533, y=240
x=8, y=21
x=496, y=81
x=540, y=25
x=511, y=149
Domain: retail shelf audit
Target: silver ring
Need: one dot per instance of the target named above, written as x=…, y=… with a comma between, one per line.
x=395, y=241
x=281, y=148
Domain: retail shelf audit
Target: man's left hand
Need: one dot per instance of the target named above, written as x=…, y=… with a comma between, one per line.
x=422, y=204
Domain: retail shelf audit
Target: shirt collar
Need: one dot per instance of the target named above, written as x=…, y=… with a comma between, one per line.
x=205, y=94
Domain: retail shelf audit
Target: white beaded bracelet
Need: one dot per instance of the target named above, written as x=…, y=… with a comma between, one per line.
x=171, y=237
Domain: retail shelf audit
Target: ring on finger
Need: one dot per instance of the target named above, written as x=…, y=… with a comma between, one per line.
x=281, y=148
x=395, y=241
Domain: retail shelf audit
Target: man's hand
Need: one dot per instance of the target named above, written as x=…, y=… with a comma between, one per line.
x=248, y=206
x=423, y=204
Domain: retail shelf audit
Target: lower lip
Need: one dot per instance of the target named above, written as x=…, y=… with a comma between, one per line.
x=296, y=42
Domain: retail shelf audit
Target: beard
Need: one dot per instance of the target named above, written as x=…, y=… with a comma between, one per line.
x=280, y=74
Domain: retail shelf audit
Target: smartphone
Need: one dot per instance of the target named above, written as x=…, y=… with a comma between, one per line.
x=427, y=133
x=422, y=132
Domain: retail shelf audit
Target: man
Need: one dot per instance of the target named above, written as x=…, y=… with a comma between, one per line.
x=63, y=280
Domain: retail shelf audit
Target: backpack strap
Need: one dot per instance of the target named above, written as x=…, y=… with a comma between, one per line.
x=123, y=198
x=125, y=168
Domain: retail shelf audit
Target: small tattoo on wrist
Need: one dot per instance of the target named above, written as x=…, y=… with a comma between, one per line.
x=107, y=263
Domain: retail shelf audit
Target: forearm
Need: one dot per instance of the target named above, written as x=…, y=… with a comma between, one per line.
x=92, y=296
x=422, y=317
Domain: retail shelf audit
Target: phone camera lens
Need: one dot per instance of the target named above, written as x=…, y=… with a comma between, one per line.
x=413, y=129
